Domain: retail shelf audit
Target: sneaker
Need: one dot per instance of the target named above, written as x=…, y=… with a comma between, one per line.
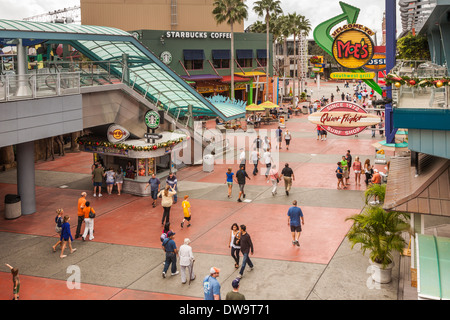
x=239, y=200
x=99, y=195
x=182, y=225
x=95, y=195
x=188, y=225
x=174, y=274
x=164, y=274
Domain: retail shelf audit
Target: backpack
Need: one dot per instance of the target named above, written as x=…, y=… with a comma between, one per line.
x=58, y=221
x=163, y=236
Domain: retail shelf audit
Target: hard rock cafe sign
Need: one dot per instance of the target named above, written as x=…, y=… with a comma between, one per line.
x=344, y=118
x=117, y=133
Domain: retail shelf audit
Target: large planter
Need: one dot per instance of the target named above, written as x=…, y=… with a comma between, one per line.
x=380, y=274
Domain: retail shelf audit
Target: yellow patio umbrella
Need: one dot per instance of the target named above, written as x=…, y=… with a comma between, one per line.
x=268, y=105
x=253, y=107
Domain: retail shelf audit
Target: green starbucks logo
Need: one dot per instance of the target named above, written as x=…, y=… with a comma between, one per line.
x=152, y=119
x=166, y=57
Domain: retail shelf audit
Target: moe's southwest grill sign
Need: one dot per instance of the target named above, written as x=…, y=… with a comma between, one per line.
x=344, y=118
x=353, y=48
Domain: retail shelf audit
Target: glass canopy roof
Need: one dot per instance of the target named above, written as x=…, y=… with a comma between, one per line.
x=147, y=74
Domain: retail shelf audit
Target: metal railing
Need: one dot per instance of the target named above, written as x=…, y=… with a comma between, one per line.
x=420, y=96
x=39, y=85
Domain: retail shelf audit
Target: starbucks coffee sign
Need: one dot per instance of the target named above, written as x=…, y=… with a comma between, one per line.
x=152, y=119
x=197, y=35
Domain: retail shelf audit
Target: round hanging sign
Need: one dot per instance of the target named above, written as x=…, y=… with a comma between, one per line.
x=152, y=119
x=353, y=49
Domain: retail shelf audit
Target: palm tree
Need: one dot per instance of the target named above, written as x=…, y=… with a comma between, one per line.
x=285, y=29
x=231, y=12
x=266, y=8
x=303, y=28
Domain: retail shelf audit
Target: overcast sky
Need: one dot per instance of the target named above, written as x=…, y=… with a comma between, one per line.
x=316, y=11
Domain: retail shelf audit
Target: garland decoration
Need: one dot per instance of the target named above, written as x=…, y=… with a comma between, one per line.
x=90, y=140
x=393, y=79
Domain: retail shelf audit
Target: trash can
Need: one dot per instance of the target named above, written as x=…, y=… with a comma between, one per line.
x=13, y=206
x=208, y=163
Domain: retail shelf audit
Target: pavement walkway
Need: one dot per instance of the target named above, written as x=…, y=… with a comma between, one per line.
x=124, y=261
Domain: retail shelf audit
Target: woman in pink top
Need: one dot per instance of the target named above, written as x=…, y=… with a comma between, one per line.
x=357, y=169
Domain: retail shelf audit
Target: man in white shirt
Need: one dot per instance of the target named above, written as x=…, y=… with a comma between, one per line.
x=242, y=158
x=254, y=158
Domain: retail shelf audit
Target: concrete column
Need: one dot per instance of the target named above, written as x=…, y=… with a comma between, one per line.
x=23, y=88
x=26, y=177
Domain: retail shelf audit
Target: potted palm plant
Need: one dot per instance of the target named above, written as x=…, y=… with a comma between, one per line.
x=375, y=191
x=380, y=232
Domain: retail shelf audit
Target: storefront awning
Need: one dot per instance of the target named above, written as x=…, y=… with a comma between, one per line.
x=261, y=54
x=227, y=79
x=221, y=54
x=202, y=77
x=244, y=54
x=194, y=55
x=433, y=267
x=250, y=74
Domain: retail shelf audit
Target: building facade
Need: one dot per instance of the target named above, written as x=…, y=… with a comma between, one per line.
x=185, y=15
x=203, y=58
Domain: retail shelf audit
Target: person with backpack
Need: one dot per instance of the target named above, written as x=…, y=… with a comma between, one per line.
x=58, y=227
x=170, y=248
x=89, y=215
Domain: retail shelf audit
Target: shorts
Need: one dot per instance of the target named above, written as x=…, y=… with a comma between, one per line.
x=241, y=187
x=280, y=139
x=346, y=174
x=296, y=228
x=154, y=194
x=339, y=176
x=357, y=171
x=229, y=183
x=287, y=141
x=109, y=183
x=97, y=184
x=188, y=218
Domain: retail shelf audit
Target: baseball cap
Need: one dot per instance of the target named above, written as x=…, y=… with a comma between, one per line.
x=214, y=270
x=235, y=283
x=170, y=233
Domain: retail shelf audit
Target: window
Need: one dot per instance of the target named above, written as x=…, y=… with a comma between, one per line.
x=245, y=58
x=261, y=55
x=221, y=59
x=193, y=59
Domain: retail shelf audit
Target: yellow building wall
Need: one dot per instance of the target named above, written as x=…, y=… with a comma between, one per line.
x=128, y=15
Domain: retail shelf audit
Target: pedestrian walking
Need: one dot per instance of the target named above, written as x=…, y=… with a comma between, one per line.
x=246, y=248
x=155, y=186
x=267, y=145
x=274, y=179
x=170, y=248
x=368, y=172
x=110, y=177
x=173, y=183
x=166, y=202
x=59, y=220
x=357, y=166
x=349, y=159
x=186, y=261
x=66, y=237
x=287, y=174
x=229, y=181
x=242, y=159
x=279, y=135
x=234, y=294
x=211, y=287
x=80, y=207
x=186, y=211
x=295, y=222
x=287, y=138
x=340, y=176
x=15, y=280
x=241, y=175
x=233, y=243
x=89, y=215
x=119, y=180
x=254, y=158
x=268, y=162
x=345, y=168
x=97, y=179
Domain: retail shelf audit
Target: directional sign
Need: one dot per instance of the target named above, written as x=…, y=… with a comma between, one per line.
x=153, y=136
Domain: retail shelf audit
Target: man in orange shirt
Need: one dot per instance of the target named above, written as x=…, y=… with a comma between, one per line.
x=376, y=179
x=88, y=222
x=81, y=205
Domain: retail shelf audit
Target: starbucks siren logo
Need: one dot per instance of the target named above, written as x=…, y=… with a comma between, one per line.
x=166, y=57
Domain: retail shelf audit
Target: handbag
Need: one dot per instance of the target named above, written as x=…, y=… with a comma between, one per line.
x=91, y=214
